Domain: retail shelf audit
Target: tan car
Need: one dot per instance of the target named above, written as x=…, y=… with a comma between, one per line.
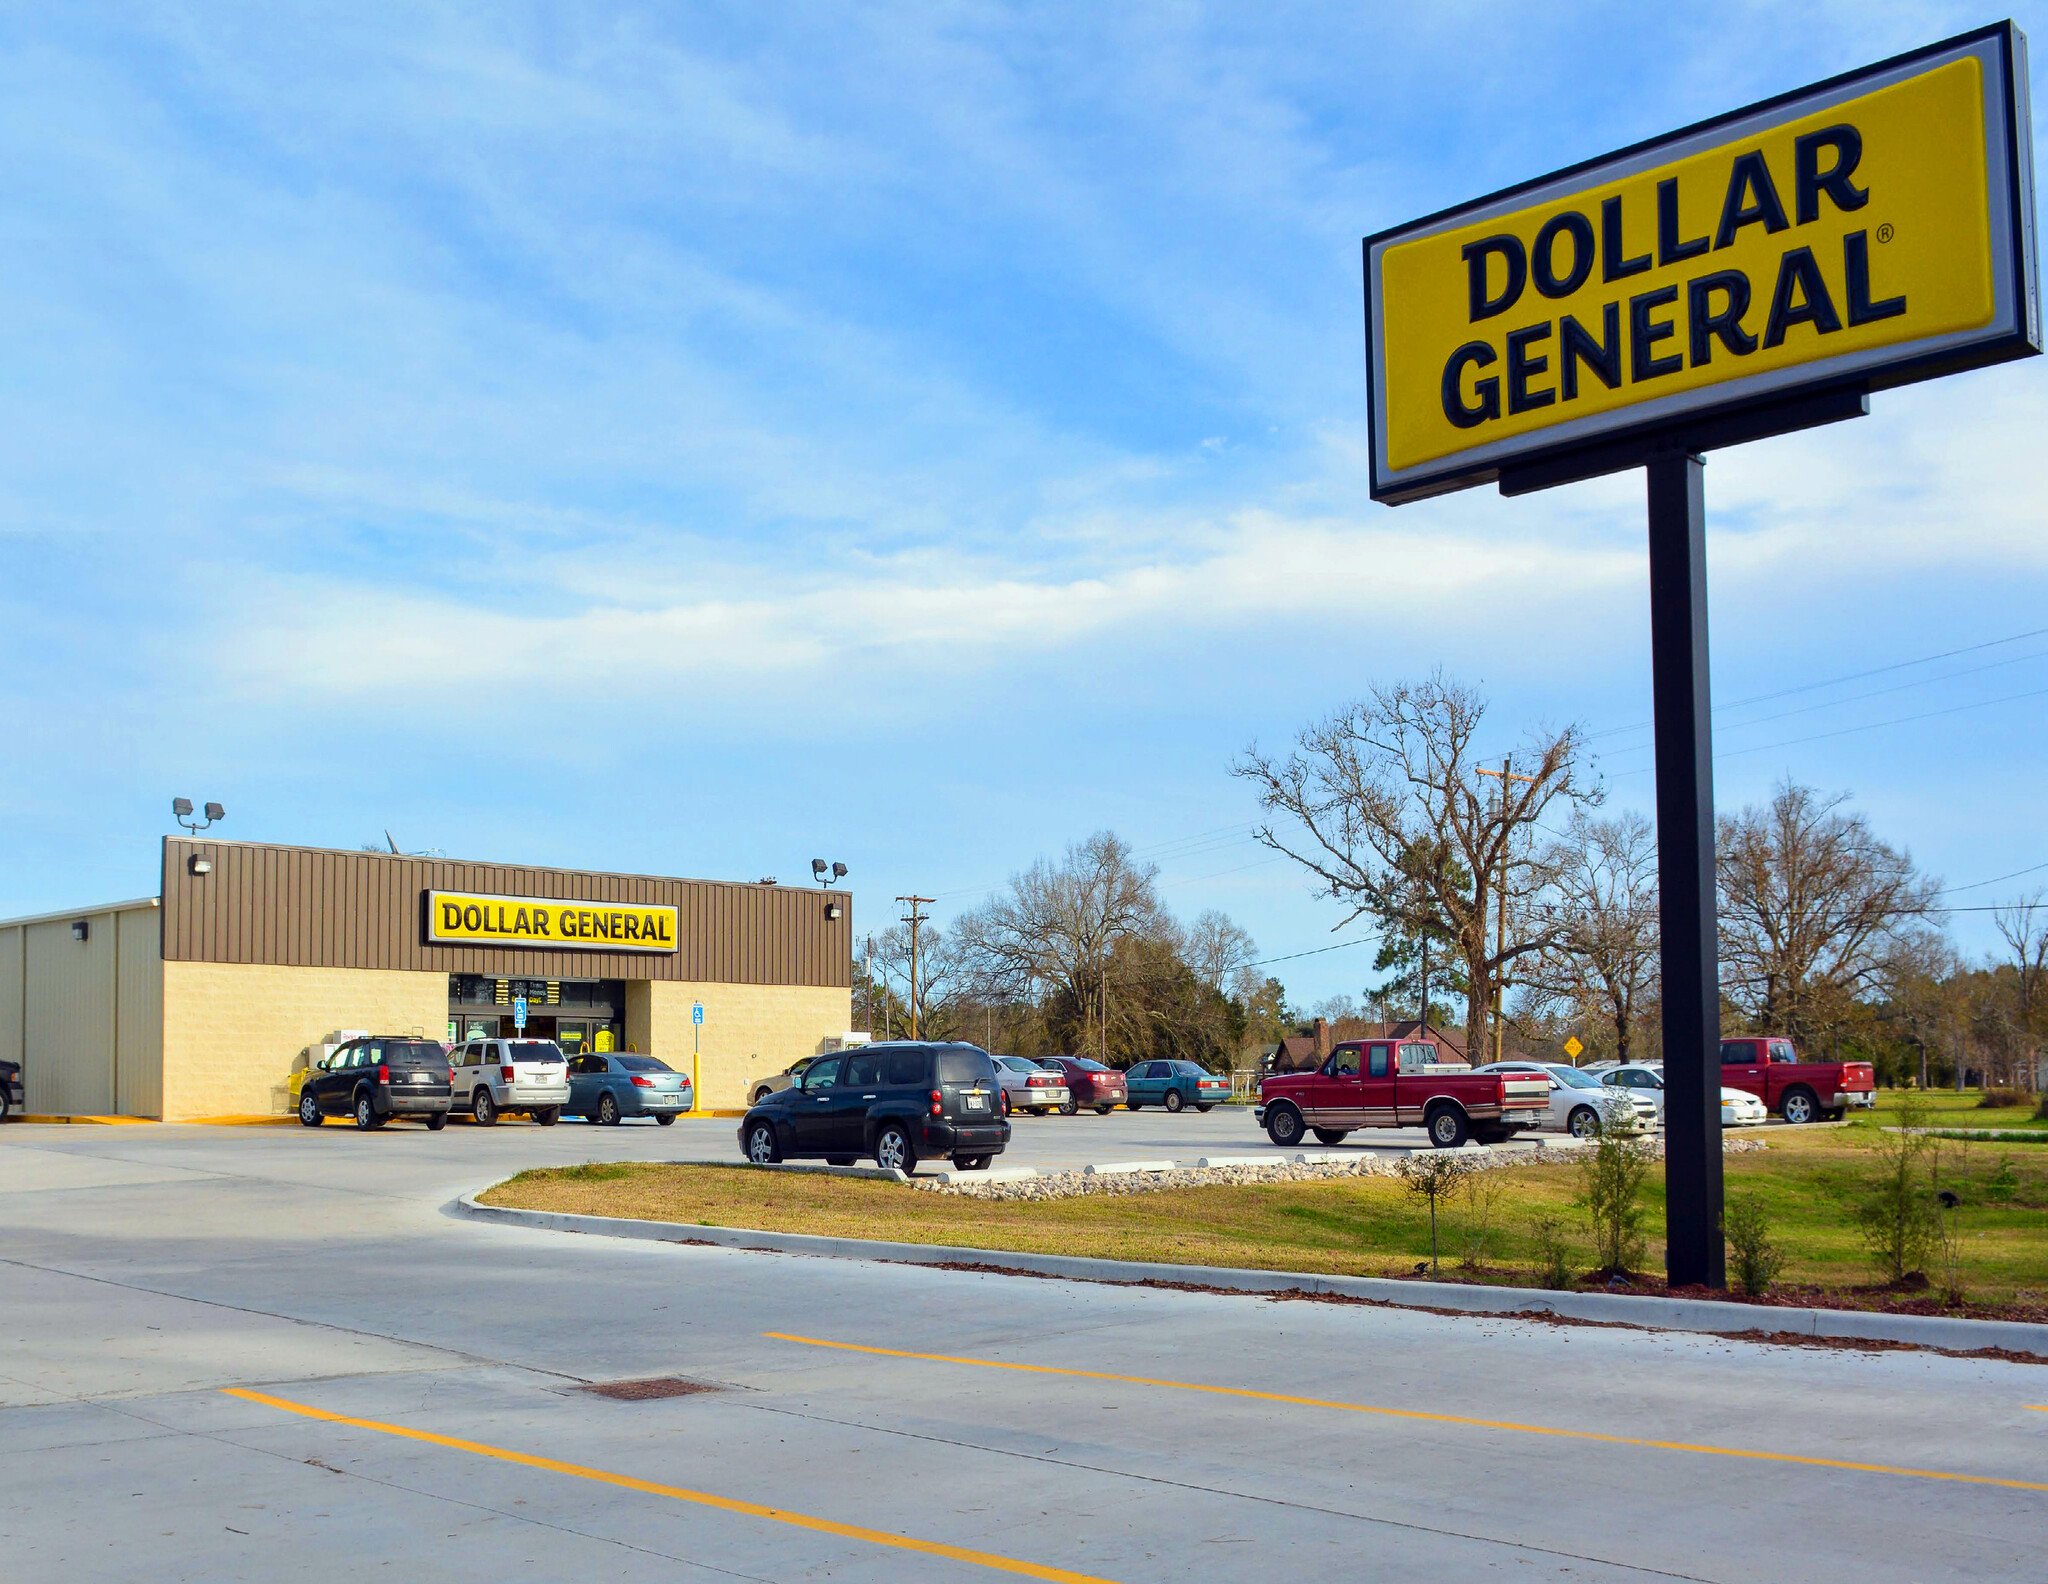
x=761, y=1088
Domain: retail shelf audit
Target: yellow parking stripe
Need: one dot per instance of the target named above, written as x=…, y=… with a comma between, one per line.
x=1428, y=1418
x=748, y=1509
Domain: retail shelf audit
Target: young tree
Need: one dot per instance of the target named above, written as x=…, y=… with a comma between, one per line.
x=1383, y=804
x=1605, y=953
x=1810, y=902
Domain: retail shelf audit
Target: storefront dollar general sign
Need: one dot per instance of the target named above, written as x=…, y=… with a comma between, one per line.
x=457, y=918
x=1870, y=231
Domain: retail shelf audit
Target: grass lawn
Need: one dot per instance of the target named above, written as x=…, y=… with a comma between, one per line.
x=1808, y=1181
x=1952, y=1110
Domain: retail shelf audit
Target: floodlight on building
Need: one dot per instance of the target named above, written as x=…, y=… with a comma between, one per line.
x=181, y=811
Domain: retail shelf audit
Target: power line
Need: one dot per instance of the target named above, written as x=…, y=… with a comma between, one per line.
x=1853, y=676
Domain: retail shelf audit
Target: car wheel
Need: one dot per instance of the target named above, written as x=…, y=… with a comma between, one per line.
x=971, y=1162
x=1447, y=1126
x=762, y=1149
x=1333, y=1135
x=1493, y=1135
x=1132, y=1105
x=437, y=1121
x=1583, y=1123
x=841, y=1160
x=1104, y=1110
x=893, y=1148
x=1173, y=1100
x=1799, y=1107
x=367, y=1119
x=483, y=1107
x=664, y=1118
x=1283, y=1126
x=309, y=1109
x=548, y=1116
x=607, y=1111
x=1069, y=1107
x=1205, y=1109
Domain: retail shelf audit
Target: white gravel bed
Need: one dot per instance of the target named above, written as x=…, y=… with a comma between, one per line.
x=1070, y=1184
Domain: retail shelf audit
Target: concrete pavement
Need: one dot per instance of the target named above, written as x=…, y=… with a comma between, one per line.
x=145, y=1269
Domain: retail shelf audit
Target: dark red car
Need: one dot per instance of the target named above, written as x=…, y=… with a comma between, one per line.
x=1089, y=1083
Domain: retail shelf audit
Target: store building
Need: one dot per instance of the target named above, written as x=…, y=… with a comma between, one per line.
x=201, y=1000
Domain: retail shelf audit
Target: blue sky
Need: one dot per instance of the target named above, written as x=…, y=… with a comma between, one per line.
x=694, y=440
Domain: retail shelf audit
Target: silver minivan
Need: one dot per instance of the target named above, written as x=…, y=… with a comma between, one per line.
x=493, y=1076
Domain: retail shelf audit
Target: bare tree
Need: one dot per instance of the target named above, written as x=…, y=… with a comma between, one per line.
x=1810, y=903
x=1220, y=953
x=944, y=979
x=1382, y=803
x=2024, y=924
x=1605, y=954
x=1057, y=926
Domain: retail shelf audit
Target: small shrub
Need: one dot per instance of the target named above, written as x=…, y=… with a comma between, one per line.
x=1757, y=1260
x=2000, y=1099
x=1432, y=1175
x=1611, y=1180
x=2003, y=1183
x=1553, y=1253
x=1896, y=1215
x=1482, y=1199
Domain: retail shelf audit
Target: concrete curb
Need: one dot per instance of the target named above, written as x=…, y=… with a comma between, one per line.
x=1128, y=1168
x=1648, y=1313
x=820, y=1169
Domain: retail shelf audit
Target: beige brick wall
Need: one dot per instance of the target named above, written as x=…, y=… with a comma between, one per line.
x=749, y=1030
x=233, y=1032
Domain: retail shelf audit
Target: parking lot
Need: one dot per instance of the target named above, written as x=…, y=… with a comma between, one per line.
x=408, y=1400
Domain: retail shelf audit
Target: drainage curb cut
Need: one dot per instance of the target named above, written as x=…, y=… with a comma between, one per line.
x=1667, y=1314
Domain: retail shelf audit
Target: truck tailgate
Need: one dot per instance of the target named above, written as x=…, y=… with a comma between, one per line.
x=1524, y=1091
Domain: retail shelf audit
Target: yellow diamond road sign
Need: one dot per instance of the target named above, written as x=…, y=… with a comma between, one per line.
x=1572, y=1047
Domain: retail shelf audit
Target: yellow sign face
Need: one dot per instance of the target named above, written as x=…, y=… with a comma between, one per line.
x=456, y=918
x=1572, y=1047
x=1839, y=237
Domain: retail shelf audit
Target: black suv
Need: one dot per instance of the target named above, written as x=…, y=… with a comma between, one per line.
x=376, y=1079
x=899, y=1102
x=11, y=1094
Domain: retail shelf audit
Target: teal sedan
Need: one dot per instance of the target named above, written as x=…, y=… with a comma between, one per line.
x=1174, y=1085
x=608, y=1088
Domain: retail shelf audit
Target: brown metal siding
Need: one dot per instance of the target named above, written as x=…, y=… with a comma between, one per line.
x=309, y=907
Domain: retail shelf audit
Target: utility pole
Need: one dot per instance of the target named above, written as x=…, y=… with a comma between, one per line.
x=1507, y=775
x=914, y=919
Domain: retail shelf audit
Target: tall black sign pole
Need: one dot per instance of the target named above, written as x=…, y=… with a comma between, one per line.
x=1685, y=869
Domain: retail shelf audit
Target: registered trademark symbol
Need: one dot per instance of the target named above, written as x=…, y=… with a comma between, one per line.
x=1884, y=232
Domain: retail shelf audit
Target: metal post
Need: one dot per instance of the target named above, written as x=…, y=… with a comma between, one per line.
x=1685, y=871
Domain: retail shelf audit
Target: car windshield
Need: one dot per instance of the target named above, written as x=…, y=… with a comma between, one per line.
x=1572, y=1078
x=536, y=1050
x=963, y=1067
x=642, y=1064
x=400, y=1051
x=1092, y=1066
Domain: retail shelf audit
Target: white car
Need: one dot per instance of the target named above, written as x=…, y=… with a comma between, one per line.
x=493, y=1076
x=1583, y=1106
x=1739, y=1108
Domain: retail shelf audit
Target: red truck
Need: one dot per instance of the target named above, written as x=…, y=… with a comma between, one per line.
x=1768, y=1067
x=1399, y=1083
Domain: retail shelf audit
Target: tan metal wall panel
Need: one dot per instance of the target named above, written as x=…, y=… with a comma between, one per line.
x=317, y=908
x=139, y=1015
x=13, y=1003
x=68, y=1059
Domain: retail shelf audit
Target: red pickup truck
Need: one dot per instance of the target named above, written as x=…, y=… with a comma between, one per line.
x=1399, y=1083
x=1799, y=1091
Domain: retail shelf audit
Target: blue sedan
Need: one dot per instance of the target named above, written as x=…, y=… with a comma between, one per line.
x=608, y=1087
x=1174, y=1085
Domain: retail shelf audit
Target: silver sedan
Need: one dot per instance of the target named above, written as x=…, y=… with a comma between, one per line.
x=1030, y=1087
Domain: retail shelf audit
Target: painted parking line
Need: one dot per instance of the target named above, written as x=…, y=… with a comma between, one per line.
x=1426, y=1418
x=826, y=1526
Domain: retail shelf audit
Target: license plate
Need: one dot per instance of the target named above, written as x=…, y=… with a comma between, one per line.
x=975, y=1102
x=421, y=1078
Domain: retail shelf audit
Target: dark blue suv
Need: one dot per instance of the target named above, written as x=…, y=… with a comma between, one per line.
x=901, y=1102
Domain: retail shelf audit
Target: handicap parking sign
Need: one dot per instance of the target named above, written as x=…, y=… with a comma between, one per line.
x=519, y=1013
x=697, y=1012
